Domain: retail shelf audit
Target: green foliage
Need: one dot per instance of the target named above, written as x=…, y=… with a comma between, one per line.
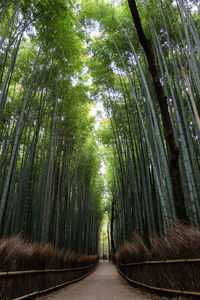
x=138, y=171
x=51, y=188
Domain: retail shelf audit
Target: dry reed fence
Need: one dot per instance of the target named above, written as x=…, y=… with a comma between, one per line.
x=17, y=255
x=181, y=243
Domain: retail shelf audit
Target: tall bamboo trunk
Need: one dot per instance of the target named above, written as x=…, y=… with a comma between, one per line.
x=58, y=204
x=162, y=100
x=111, y=227
x=10, y=23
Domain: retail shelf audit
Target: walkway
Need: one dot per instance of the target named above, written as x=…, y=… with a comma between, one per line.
x=104, y=284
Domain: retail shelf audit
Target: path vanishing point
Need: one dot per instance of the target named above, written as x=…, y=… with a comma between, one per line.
x=104, y=284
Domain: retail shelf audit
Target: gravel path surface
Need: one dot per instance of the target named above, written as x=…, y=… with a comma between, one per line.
x=104, y=284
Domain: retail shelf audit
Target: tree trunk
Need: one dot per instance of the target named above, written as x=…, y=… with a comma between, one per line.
x=10, y=23
x=111, y=227
x=167, y=125
x=58, y=204
x=15, y=149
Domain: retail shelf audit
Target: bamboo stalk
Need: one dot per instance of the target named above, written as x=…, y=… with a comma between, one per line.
x=189, y=89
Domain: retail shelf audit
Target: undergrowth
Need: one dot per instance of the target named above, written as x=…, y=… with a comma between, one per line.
x=18, y=255
x=180, y=242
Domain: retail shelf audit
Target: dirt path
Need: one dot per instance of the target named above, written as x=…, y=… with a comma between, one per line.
x=104, y=284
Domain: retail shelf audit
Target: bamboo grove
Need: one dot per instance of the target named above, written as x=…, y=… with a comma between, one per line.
x=130, y=80
x=50, y=184
x=143, y=63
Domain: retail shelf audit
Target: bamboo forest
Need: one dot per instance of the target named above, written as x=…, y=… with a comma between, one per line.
x=100, y=128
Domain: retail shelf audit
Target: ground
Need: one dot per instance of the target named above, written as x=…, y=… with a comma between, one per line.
x=104, y=284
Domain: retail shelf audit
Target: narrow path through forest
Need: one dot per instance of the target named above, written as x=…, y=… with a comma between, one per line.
x=105, y=283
